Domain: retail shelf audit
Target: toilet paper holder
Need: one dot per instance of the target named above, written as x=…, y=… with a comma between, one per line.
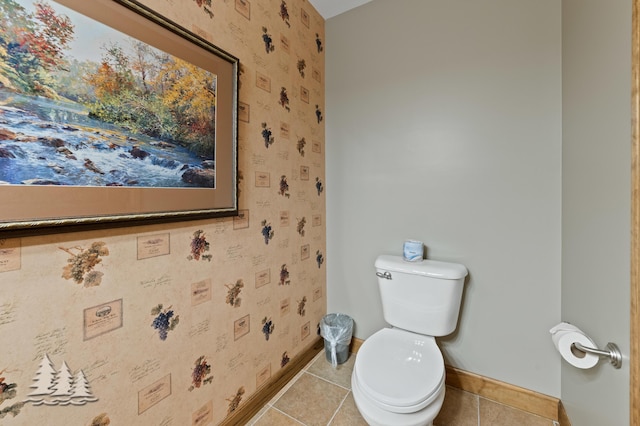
x=610, y=351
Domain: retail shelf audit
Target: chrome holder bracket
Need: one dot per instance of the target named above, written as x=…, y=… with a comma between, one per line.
x=611, y=351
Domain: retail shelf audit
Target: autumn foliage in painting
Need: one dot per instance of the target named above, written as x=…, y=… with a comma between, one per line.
x=134, y=86
x=31, y=45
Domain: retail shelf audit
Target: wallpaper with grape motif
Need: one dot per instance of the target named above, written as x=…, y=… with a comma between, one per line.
x=179, y=324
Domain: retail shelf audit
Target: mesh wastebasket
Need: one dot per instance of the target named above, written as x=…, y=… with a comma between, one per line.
x=336, y=330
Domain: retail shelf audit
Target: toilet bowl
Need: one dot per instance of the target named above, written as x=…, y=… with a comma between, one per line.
x=398, y=379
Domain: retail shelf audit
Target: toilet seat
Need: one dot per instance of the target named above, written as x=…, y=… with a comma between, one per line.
x=376, y=416
x=400, y=371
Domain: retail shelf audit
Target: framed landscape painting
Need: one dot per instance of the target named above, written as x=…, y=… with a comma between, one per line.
x=112, y=114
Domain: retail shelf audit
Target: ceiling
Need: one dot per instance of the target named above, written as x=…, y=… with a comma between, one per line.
x=331, y=8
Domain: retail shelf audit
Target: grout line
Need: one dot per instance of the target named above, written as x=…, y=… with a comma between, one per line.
x=292, y=418
x=271, y=404
x=310, y=363
x=260, y=414
x=338, y=409
x=328, y=381
x=284, y=390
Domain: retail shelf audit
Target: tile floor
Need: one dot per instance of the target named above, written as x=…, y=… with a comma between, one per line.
x=320, y=396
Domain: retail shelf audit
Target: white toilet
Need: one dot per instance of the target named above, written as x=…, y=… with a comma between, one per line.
x=398, y=376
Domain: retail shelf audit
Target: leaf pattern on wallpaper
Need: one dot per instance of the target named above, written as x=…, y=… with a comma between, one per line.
x=165, y=320
x=319, y=186
x=318, y=114
x=319, y=43
x=81, y=263
x=233, y=293
x=285, y=359
x=267, y=327
x=284, y=99
x=301, y=223
x=284, y=13
x=302, y=306
x=199, y=245
x=101, y=419
x=319, y=258
x=206, y=7
x=284, y=187
x=302, y=64
x=267, y=135
x=201, y=374
x=8, y=391
x=235, y=400
x=267, y=231
x=284, y=275
x=241, y=72
x=300, y=146
x=268, y=41
x=240, y=180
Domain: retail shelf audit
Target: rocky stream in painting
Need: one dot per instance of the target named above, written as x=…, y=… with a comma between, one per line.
x=49, y=142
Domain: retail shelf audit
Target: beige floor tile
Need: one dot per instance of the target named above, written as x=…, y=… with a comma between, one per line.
x=340, y=375
x=286, y=387
x=348, y=414
x=460, y=408
x=275, y=418
x=314, y=395
x=311, y=400
x=315, y=358
x=493, y=413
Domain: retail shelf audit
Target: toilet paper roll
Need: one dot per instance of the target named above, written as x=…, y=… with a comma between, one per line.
x=560, y=330
x=564, y=336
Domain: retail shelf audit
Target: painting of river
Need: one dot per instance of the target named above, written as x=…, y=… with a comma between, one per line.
x=84, y=105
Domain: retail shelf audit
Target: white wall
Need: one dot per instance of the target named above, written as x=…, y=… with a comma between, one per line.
x=443, y=124
x=596, y=200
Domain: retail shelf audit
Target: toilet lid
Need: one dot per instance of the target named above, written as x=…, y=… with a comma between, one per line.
x=400, y=369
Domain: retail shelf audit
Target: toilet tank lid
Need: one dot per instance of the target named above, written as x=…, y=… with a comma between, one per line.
x=427, y=267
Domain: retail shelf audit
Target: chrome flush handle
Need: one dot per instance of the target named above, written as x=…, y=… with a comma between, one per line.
x=385, y=275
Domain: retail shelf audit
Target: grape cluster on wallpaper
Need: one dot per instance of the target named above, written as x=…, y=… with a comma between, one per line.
x=179, y=324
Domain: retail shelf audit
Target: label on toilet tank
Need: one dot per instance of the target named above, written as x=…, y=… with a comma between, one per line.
x=413, y=251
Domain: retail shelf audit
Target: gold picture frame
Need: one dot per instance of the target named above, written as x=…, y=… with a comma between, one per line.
x=51, y=206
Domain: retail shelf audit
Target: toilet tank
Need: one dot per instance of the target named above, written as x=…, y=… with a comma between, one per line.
x=423, y=297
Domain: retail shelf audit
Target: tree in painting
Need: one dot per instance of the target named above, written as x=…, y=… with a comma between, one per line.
x=135, y=103
x=155, y=94
x=31, y=46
